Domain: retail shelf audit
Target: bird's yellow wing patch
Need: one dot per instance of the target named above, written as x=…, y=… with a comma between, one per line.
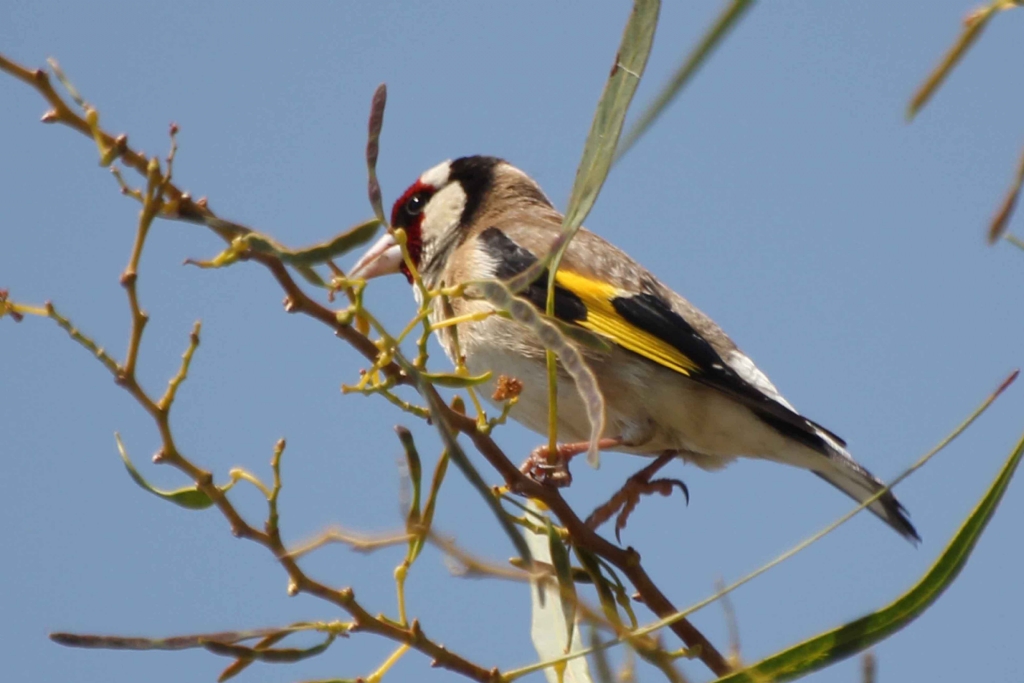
x=603, y=319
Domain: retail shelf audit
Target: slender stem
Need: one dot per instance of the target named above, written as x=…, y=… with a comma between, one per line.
x=186, y=361
x=388, y=663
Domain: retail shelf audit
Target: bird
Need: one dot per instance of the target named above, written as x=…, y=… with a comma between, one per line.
x=674, y=384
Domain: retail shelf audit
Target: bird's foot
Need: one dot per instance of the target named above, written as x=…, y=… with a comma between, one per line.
x=640, y=484
x=544, y=468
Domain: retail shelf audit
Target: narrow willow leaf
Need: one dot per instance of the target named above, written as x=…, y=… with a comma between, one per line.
x=302, y=260
x=239, y=665
x=563, y=573
x=169, y=643
x=1002, y=218
x=237, y=249
x=462, y=461
x=428, y=510
x=189, y=497
x=318, y=253
x=412, y=458
x=711, y=39
x=599, y=148
x=274, y=655
x=598, y=153
x=622, y=596
x=376, y=122
x=973, y=26
x=860, y=634
x=549, y=619
x=605, y=594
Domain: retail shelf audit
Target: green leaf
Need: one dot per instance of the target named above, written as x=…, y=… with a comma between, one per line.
x=599, y=149
x=860, y=634
x=276, y=655
x=605, y=593
x=973, y=26
x=462, y=461
x=563, y=572
x=711, y=39
x=598, y=154
x=412, y=458
x=241, y=664
x=318, y=253
x=303, y=259
x=428, y=510
x=189, y=497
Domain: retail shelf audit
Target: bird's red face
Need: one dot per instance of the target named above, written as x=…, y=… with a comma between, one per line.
x=408, y=213
x=434, y=213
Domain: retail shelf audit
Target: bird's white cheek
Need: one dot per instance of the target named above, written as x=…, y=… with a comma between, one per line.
x=443, y=213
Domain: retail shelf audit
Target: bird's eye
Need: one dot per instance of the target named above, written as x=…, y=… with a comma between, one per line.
x=415, y=204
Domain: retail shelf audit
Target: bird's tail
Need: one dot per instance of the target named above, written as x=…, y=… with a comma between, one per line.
x=851, y=478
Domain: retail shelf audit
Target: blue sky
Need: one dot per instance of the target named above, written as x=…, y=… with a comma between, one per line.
x=784, y=194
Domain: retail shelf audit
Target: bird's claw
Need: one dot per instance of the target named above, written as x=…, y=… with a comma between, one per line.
x=625, y=500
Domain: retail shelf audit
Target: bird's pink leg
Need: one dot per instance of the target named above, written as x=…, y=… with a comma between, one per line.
x=555, y=471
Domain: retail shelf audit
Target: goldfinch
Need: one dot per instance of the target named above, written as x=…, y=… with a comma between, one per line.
x=672, y=381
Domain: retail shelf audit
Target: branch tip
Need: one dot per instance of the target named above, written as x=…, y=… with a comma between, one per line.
x=1008, y=381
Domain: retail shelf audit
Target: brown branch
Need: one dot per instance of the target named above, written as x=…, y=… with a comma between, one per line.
x=177, y=204
x=627, y=560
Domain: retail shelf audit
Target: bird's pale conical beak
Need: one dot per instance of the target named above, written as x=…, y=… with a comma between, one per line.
x=383, y=258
